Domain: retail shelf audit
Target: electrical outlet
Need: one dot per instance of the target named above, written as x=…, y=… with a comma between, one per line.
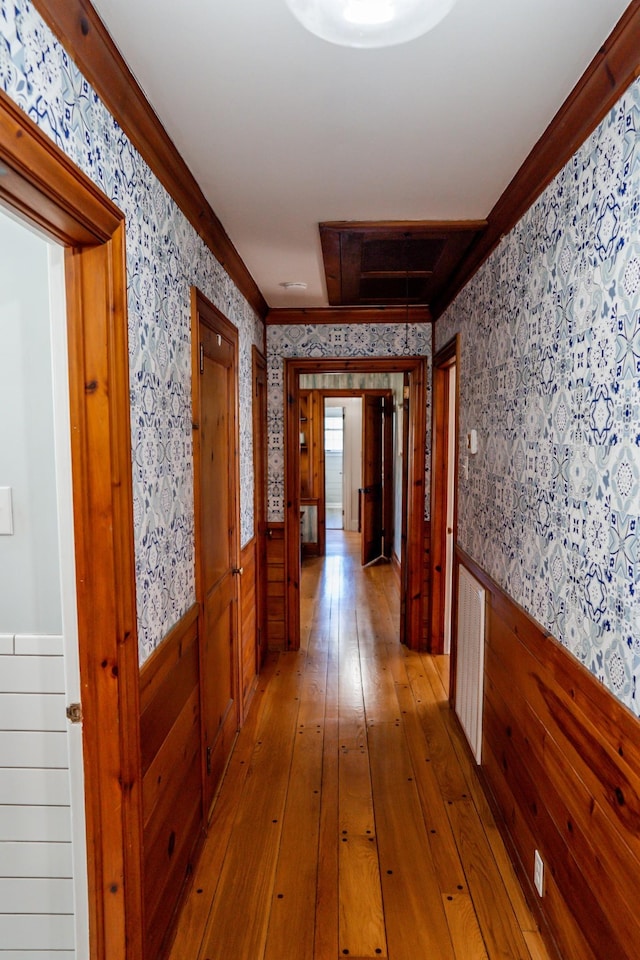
x=538, y=873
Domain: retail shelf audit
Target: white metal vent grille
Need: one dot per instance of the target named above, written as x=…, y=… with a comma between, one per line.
x=470, y=658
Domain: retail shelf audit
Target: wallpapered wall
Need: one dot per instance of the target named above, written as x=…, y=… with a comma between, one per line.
x=550, y=378
x=165, y=257
x=327, y=341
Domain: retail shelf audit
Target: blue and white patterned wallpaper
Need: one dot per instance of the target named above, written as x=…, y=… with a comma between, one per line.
x=325, y=341
x=165, y=257
x=550, y=378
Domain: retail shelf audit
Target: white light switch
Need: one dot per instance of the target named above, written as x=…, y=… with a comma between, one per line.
x=6, y=511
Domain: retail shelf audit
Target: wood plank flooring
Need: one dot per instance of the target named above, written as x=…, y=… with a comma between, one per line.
x=350, y=822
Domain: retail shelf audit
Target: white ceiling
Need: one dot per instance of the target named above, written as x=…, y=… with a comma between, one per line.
x=283, y=130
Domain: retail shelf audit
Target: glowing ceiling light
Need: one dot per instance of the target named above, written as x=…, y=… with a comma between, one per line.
x=369, y=23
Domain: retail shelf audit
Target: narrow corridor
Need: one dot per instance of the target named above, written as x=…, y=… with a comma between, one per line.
x=350, y=821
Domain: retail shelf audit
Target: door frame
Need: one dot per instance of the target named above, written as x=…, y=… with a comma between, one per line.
x=46, y=189
x=323, y=394
x=443, y=360
x=260, y=524
x=412, y=537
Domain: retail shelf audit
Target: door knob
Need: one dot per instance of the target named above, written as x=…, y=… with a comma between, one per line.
x=238, y=571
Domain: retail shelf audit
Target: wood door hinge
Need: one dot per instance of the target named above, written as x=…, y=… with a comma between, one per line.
x=208, y=761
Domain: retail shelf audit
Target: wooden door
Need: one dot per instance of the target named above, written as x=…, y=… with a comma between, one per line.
x=371, y=502
x=387, y=475
x=376, y=495
x=216, y=482
x=260, y=499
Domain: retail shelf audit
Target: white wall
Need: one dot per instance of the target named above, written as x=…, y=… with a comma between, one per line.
x=37, y=892
x=30, y=594
x=352, y=462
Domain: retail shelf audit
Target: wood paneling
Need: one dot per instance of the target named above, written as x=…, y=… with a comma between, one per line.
x=426, y=584
x=276, y=627
x=561, y=759
x=611, y=71
x=170, y=738
x=83, y=35
x=248, y=626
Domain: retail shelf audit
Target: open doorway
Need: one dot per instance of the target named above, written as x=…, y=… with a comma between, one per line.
x=336, y=490
x=305, y=513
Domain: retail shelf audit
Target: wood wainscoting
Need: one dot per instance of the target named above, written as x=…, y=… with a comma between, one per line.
x=276, y=583
x=561, y=764
x=249, y=653
x=426, y=586
x=172, y=776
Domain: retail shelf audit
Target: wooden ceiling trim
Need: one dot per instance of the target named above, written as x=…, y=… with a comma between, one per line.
x=286, y=315
x=612, y=70
x=84, y=36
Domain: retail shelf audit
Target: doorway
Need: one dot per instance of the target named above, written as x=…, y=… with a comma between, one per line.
x=335, y=494
x=411, y=538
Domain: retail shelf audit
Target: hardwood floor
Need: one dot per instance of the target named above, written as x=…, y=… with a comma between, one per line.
x=350, y=821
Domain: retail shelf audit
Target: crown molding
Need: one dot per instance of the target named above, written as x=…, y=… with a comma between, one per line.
x=284, y=315
x=84, y=36
x=612, y=70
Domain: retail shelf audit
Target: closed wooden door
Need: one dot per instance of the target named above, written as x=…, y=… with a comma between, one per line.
x=216, y=537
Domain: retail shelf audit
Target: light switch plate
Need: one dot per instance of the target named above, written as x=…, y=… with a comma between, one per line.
x=6, y=512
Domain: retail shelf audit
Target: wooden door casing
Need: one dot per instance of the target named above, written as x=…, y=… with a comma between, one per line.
x=41, y=185
x=260, y=500
x=215, y=417
x=371, y=512
x=415, y=369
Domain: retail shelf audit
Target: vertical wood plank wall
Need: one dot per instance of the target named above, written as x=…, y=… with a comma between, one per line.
x=276, y=628
x=561, y=763
x=170, y=738
x=36, y=886
x=171, y=749
x=248, y=625
x=426, y=586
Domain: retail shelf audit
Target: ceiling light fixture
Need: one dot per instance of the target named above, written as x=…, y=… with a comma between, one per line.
x=294, y=285
x=369, y=23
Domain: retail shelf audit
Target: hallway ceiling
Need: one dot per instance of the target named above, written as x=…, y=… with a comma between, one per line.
x=283, y=131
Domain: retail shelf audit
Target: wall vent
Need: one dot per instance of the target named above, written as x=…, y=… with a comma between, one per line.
x=470, y=658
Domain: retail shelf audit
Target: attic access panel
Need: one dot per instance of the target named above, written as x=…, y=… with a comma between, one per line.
x=393, y=263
